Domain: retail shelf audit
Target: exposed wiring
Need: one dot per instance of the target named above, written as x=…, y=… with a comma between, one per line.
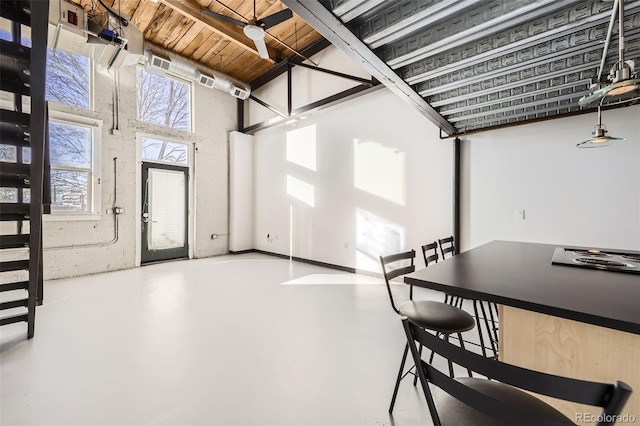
x=123, y=21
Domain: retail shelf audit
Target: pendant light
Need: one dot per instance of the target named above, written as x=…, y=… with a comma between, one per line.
x=599, y=136
x=625, y=84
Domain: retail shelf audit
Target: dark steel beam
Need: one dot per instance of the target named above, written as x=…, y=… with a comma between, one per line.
x=338, y=74
x=269, y=107
x=240, y=114
x=289, y=89
x=457, y=182
x=331, y=100
x=281, y=67
x=327, y=102
x=316, y=15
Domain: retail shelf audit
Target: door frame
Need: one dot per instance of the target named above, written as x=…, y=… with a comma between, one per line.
x=170, y=253
x=191, y=193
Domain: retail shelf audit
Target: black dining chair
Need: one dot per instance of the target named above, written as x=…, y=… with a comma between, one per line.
x=447, y=247
x=431, y=315
x=502, y=401
x=484, y=312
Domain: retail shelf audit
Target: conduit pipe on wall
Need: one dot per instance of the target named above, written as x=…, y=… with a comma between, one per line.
x=117, y=211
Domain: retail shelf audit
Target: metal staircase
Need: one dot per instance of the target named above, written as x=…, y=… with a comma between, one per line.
x=24, y=179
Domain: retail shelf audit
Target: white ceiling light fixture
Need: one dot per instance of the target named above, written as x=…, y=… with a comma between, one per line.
x=624, y=86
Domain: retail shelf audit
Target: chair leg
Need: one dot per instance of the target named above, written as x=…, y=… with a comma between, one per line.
x=475, y=310
x=395, y=389
x=486, y=323
x=462, y=346
x=446, y=338
x=415, y=376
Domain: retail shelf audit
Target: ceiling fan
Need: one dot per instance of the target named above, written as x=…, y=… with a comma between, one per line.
x=254, y=28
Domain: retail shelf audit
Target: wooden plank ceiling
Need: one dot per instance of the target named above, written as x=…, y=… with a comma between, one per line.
x=178, y=25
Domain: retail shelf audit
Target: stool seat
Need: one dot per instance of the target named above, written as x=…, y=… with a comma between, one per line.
x=453, y=412
x=437, y=316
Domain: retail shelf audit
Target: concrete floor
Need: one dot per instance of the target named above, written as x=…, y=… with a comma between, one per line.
x=233, y=340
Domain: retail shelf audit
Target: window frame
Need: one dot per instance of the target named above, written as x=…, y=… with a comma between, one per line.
x=92, y=91
x=94, y=184
x=191, y=105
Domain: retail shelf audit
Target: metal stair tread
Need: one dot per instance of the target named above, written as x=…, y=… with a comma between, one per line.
x=10, y=135
x=14, y=181
x=14, y=240
x=14, y=118
x=12, y=304
x=13, y=319
x=14, y=265
x=13, y=50
x=15, y=208
x=12, y=10
x=15, y=170
x=19, y=285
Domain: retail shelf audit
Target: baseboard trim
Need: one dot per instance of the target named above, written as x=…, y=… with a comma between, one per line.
x=309, y=261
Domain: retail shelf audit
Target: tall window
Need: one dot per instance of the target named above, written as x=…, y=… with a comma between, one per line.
x=68, y=79
x=73, y=177
x=163, y=100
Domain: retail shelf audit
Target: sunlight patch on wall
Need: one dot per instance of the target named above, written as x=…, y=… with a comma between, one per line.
x=375, y=237
x=301, y=147
x=379, y=170
x=301, y=190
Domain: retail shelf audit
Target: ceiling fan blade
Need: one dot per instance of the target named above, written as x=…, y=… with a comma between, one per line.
x=223, y=18
x=262, y=48
x=275, y=19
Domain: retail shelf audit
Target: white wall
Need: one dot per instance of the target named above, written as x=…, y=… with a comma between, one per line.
x=393, y=208
x=214, y=116
x=241, y=192
x=588, y=197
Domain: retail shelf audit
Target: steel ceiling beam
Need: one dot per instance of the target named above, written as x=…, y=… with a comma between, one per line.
x=361, y=8
x=486, y=29
x=516, y=107
x=523, y=82
x=534, y=93
x=591, y=46
x=526, y=113
x=437, y=12
x=330, y=27
x=592, y=21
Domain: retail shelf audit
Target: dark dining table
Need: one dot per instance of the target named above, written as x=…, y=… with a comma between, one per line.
x=564, y=320
x=521, y=275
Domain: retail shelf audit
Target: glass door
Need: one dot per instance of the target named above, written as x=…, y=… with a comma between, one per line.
x=165, y=209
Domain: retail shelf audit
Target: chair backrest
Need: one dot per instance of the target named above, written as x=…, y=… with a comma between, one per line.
x=430, y=258
x=611, y=398
x=447, y=246
x=391, y=273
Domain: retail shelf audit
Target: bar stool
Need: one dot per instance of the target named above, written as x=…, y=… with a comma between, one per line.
x=489, y=314
x=435, y=316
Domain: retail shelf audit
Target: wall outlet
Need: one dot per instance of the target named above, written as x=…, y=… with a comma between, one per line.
x=520, y=215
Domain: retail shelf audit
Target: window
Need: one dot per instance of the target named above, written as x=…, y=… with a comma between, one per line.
x=165, y=101
x=159, y=150
x=73, y=148
x=68, y=79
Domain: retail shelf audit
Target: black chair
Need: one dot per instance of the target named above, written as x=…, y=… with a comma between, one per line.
x=501, y=402
x=447, y=247
x=431, y=315
x=430, y=258
x=487, y=314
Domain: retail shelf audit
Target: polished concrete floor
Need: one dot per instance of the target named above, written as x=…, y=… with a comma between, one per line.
x=233, y=340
